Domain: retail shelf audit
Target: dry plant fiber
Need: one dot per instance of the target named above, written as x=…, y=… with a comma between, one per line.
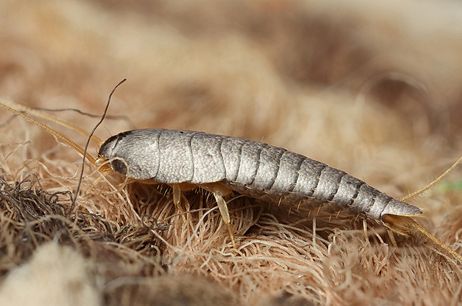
x=371, y=88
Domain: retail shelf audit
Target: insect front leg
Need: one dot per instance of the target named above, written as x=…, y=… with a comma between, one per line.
x=219, y=192
x=177, y=191
x=177, y=196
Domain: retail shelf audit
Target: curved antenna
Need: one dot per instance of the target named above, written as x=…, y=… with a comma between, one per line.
x=24, y=114
x=88, y=142
x=78, y=111
x=36, y=113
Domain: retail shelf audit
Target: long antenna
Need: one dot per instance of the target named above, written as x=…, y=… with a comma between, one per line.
x=76, y=110
x=39, y=114
x=88, y=142
x=19, y=110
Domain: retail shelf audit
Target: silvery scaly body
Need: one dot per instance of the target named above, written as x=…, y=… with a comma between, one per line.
x=248, y=167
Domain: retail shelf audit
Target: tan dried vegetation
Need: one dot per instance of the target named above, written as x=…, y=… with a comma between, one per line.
x=372, y=88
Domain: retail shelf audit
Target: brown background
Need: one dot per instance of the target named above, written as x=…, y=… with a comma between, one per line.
x=371, y=88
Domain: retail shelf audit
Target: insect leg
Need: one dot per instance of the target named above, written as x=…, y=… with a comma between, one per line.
x=219, y=192
x=177, y=196
x=177, y=190
x=225, y=215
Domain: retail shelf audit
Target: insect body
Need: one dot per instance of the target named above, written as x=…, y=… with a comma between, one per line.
x=222, y=163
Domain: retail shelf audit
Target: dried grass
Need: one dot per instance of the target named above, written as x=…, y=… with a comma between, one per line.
x=372, y=90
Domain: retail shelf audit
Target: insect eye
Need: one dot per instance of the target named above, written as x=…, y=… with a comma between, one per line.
x=119, y=166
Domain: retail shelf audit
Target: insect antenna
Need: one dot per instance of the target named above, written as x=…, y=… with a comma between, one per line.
x=23, y=112
x=34, y=112
x=90, y=115
x=88, y=142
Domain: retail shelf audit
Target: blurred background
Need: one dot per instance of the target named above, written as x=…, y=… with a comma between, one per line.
x=371, y=87
x=210, y=61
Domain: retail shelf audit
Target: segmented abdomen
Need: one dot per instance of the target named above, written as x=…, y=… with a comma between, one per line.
x=249, y=167
x=253, y=167
x=282, y=174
